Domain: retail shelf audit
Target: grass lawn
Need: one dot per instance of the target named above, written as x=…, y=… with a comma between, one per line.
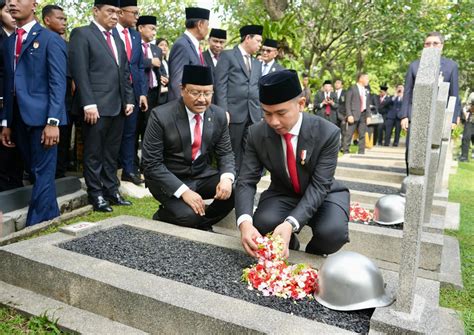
x=14, y=323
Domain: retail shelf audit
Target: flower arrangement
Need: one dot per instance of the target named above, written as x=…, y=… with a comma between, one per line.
x=273, y=276
x=359, y=214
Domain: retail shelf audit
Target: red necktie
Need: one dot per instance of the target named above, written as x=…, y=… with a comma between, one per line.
x=150, y=76
x=291, y=163
x=19, y=42
x=128, y=46
x=109, y=43
x=201, y=57
x=197, y=137
x=328, y=109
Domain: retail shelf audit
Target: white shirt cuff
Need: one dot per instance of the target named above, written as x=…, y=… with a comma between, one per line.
x=228, y=175
x=295, y=221
x=89, y=107
x=4, y=123
x=322, y=105
x=242, y=218
x=179, y=192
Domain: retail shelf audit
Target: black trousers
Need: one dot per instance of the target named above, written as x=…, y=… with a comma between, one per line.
x=466, y=138
x=101, y=151
x=11, y=168
x=238, y=139
x=361, y=126
x=389, y=125
x=176, y=211
x=329, y=225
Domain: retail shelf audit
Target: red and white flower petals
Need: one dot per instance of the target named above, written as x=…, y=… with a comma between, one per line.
x=359, y=214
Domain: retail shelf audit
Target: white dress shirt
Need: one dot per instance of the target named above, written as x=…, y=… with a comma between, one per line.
x=266, y=67
x=295, y=131
x=194, y=40
x=245, y=54
x=149, y=55
x=362, y=94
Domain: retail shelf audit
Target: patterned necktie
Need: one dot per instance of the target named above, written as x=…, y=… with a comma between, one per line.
x=265, y=69
x=109, y=43
x=19, y=42
x=328, y=107
x=201, y=57
x=197, y=137
x=291, y=163
x=150, y=75
x=247, y=63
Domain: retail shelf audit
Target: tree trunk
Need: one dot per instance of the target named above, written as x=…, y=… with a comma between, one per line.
x=276, y=8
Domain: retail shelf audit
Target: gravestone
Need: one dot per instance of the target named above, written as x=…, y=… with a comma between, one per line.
x=438, y=123
x=421, y=129
x=445, y=141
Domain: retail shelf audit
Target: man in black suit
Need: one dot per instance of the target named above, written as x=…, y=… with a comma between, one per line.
x=300, y=151
x=392, y=121
x=341, y=110
x=269, y=54
x=179, y=141
x=325, y=103
x=236, y=87
x=186, y=49
x=382, y=104
x=217, y=40
x=357, y=112
x=104, y=97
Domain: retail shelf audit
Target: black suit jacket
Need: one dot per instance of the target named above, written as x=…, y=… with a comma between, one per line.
x=275, y=67
x=341, y=102
x=166, y=150
x=236, y=91
x=208, y=59
x=321, y=111
x=157, y=53
x=449, y=70
x=383, y=107
x=320, y=139
x=353, y=103
x=99, y=79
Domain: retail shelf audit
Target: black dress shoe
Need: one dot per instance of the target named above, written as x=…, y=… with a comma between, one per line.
x=118, y=200
x=463, y=159
x=134, y=178
x=101, y=205
x=294, y=243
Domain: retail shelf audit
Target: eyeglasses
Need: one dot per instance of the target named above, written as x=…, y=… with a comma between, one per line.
x=134, y=12
x=266, y=50
x=197, y=94
x=434, y=44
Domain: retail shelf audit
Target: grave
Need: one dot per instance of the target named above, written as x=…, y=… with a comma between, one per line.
x=154, y=277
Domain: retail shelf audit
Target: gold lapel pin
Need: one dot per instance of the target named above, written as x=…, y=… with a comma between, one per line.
x=36, y=44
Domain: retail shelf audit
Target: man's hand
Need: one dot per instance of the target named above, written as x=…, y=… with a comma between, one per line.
x=368, y=120
x=156, y=62
x=50, y=136
x=223, y=189
x=248, y=234
x=194, y=200
x=404, y=123
x=350, y=119
x=91, y=115
x=164, y=80
x=284, y=230
x=7, y=138
x=128, y=109
x=143, y=103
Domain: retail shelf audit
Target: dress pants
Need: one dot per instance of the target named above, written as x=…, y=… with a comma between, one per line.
x=238, y=139
x=42, y=164
x=361, y=126
x=127, y=146
x=466, y=138
x=11, y=168
x=176, y=211
x=63, y=150
x=389, y=125
x=101, y=151
x=329, y=224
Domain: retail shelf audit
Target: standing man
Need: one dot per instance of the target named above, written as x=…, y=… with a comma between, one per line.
x=104, y=97
x=358, y=112
x=186, y=49
x=325, y=103
x=269, y=53
x=468, y=132
x=382, y=104
x=300, y=151
x=217, y=40
x=180, y=138
x=34, y=87
x=131, y=39
x=392, y=120
x=236, y=87
x=306, y=90
x=341, y=110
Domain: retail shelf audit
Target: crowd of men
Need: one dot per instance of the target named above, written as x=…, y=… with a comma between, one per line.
x=210, y=122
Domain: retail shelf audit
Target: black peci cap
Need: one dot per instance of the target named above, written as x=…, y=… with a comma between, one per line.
x=197, y=13
x=146, y=19
x=327, y=82
x=270, y=43
x=278, y=87
x=251, y=30
x=197, y=75
x=115, y=3
x=127, y=3
x=218, y=33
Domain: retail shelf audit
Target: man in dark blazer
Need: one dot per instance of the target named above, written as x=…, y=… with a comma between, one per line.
x=217, y=39
x=236, y=87
x=180, y=138
x=382, y=104
x=103, y=97
x=269, y=55
x=341, y=110
x=357, y=112
x=186, y=49
x=325, y=103
x=131, y=39
x=392, y=121
x=300, y=150
x=34, y=91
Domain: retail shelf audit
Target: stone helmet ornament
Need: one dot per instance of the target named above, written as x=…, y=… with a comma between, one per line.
x=349, y=281
x=403, y=188
x=390, y=210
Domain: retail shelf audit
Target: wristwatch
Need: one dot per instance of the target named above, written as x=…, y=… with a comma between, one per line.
x=53, y=122
x=293, y=224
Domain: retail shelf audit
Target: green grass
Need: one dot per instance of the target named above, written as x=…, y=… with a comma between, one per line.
x=14, y=323
x=461, y=189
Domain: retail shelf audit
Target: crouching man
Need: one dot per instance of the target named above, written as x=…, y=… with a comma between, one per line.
x=180, y=139
x=300, y=151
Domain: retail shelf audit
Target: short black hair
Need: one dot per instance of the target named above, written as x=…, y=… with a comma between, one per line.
x=48, y=10
x=436, y=34
x=359, y=75
x=339, y=79
x=244, y=37
x=2, y=4
x=192, y=23
x=161, y=39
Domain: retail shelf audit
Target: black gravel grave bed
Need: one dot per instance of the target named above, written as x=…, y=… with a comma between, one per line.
x=372, y=157
x=201, y=265
x=371, y=167
x=372, y=223
x=373, y=188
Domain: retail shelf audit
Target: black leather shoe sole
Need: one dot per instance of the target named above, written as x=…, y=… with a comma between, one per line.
x=135, y=180
x=105, y=209
x=113, y=201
